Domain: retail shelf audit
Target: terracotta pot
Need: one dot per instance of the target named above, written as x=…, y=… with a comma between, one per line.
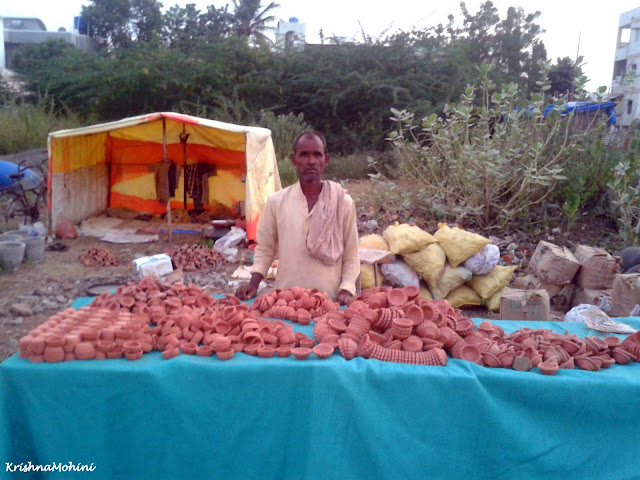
x=323, y=350
x=53, y=354
x=252, y=349
x=117, y=352
x=188, y=348
x=226, y=354
x=548, y=368
x=266, y=352
x=204, y=351
x=397, y=297
x=301, y=352
x=166, y=354
x=84, y=351
x=307, y=342
x=283, y=351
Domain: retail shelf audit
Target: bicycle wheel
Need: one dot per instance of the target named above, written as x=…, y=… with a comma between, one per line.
x=13, y=211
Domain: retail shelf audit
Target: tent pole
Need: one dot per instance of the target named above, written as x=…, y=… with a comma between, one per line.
x=184, y=136
x=166, y=166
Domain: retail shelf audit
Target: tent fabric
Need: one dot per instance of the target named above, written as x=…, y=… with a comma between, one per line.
x=118, y=164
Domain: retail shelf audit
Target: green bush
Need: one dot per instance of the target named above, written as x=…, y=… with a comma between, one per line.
x=26, y=125
x=493, y=155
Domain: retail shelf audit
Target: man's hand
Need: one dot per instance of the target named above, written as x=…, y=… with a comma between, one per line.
x=344, y=297
x=246, y=291
x=249, y=290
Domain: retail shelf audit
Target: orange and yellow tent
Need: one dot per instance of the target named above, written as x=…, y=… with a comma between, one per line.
x=126, y=164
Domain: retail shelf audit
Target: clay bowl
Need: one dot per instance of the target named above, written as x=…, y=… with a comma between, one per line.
x=301, y=352
x=414, y=313
x=204, y=351
x=166, y=354
x=307, y=342
x=189, y=348
x=491, y=360
x=84, y=351
x=612, y=341
x=53, y=354
x=586, y=363
x=397, y=297
x=549, y=367
x=266, y=352
x=323, y=350
x=252, y=349
x=132, y=346
x=283, y=351
x=226, y=354
x=412, y=291
x=138, y=355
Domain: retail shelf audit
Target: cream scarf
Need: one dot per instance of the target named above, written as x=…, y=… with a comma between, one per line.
x=325, y=240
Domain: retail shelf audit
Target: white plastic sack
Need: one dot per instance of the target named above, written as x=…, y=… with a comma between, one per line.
x=574, y=316
x=399, y=274
x=484, y=261
x=232, y=238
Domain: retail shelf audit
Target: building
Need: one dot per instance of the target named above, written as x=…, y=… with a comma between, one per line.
x=290, y=35
x=625, y=87
x=18, y=31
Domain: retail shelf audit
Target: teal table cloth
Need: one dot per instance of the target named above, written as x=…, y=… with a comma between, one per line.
x=282, y=418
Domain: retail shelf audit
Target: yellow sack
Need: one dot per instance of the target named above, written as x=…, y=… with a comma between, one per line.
x=367, y=277
x=425, y=293
x=428, y=262
x=459, y=244
x=492, y=282
x=493, y=302
x=464, y=296
x=375, y=242
x=405, y=238
x=450, y=279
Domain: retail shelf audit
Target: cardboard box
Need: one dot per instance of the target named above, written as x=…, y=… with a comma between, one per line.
x=625, y=294
x=560, y=296
x=155, y=265
x=591, y=297
x=597, y=268
x=553, y=264
x=524, y=304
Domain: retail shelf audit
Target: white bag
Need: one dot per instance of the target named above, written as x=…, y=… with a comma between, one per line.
x=399, y=274
x=484, y=261
x=232, y=238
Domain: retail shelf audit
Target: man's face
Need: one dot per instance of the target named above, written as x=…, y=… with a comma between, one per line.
x=310, y=159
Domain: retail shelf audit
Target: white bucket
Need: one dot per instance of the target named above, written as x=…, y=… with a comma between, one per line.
x=11, y=254
x=34, y=248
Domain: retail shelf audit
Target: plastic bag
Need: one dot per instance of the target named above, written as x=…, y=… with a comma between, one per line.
x=484, y=261
x=399, y=274
x=232, y=238
x=64, y=228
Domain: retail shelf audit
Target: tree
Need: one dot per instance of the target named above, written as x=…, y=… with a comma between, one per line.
x=250, y=19
x=562, y=76
x=120, y=23
x=188, y=29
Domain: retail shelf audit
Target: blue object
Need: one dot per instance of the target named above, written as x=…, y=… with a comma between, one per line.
x=583, y=107
x=282, y=418
x=30, y=180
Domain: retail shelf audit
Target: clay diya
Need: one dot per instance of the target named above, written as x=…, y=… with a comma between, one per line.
x=166, y=354
x=266, y=352
x=548, y=367
x=189, y=348
x=301, y=352
x=226, y=354
x=84, y=351
x=397, y=297
x=204, y=351
x=283, y=351
x=323, y=350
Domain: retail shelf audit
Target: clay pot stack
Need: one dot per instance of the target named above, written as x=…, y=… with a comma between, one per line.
x=174, y=319
x=87, y=334
x=194, y=257
x=392, y=324
x=98, y=257
x=295, y=304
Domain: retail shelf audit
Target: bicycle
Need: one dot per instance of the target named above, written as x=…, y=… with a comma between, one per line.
x=23, y=192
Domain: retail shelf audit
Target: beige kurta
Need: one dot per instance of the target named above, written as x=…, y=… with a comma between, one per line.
x=284, y=225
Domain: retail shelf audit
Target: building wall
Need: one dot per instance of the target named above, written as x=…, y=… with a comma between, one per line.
x=626, y=69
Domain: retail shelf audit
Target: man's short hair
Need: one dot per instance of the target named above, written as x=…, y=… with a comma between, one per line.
x=311, y=133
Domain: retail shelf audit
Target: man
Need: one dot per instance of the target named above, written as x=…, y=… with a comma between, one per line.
x=312, y=225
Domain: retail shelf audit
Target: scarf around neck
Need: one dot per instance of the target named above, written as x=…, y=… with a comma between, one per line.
x=325, y=240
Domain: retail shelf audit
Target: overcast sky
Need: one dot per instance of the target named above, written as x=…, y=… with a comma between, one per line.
x=568, y=23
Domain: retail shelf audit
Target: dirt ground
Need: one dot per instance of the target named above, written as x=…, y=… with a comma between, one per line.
x=60, y=277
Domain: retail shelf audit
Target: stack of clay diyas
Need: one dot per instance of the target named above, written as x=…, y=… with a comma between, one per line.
x=194, y=257
x=295, y=304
